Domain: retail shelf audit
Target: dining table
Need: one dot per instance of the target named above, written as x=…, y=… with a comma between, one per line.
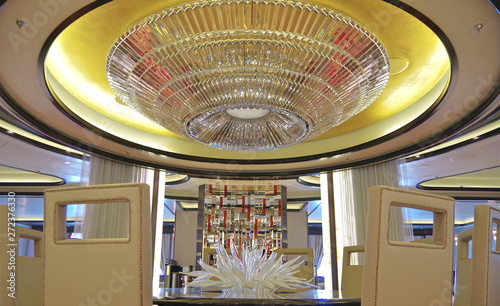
x=211, y=296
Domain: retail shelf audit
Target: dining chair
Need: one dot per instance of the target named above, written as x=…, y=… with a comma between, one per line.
x=463, y=269
x=97, y=271
x=27, y=269
x=352, y=275
x=401, y=273
x=306, y=270
x=485, y=257
x=208, y=255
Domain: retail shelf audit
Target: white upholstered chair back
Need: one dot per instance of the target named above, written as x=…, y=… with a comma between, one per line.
x=107, y=271
x=306, y=270
x=352, y=275
x=464, y=269
x=400, y=273
x=28, y=270
x=485, y=257
x=424, y=240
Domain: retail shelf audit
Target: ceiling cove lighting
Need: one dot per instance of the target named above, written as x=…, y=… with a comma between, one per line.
x=248, y=75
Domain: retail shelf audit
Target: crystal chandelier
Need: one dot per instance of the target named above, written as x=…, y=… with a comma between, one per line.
x=248, y=75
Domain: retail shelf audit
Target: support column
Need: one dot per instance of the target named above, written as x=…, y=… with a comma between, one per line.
x=157, y=207
x=329, y=230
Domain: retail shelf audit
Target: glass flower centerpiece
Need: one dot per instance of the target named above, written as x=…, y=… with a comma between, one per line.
x=249, y=273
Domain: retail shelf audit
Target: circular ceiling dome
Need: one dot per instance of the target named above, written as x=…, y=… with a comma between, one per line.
x=192, y=70
x=56, y=82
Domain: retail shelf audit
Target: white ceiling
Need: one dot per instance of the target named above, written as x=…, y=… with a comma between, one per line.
x=476, y=156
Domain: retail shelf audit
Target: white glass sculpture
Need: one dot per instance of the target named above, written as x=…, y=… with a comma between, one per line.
x=249, y=273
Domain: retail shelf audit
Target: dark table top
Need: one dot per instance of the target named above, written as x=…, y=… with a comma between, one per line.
x=194, y=296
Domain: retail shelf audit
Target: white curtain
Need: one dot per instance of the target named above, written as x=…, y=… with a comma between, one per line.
x=315, y=242
x=167, y=250
x=351, y=198
x=351, y=204
x=108, y=220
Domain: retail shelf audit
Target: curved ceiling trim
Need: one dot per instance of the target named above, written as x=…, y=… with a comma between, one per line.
x=18, y=177
x=310, y=181
x=37, y=141
x=175, y=179
x=471, y=189
x=469, y=139
x=481, y=180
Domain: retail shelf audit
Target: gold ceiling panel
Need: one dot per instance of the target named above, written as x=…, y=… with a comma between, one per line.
x=77, y=59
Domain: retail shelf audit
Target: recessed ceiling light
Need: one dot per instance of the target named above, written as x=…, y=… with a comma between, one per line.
x=10, y=132
x=67, y=162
